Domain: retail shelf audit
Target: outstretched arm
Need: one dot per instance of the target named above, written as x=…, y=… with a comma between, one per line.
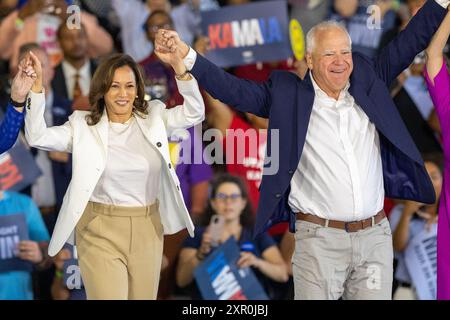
x=192, y=111
x=244, y=95
x=435, y=50
x=21, y=85
x=436, y=74
x=400, y=52
x=58, y=138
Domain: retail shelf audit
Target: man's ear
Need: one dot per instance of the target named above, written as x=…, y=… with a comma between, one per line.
x=309, y=61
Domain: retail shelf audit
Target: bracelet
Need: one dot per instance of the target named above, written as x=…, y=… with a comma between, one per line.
x=19, y=24
x=59, y=274
x=17, y=104
x=182, y=76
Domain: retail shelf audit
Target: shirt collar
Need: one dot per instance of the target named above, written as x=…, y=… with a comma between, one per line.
x=319, y=92
x=70, y=71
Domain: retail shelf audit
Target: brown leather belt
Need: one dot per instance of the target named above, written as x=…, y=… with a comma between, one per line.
x=352, y=226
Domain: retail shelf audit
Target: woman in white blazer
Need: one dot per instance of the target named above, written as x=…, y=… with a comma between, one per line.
x=124, y=193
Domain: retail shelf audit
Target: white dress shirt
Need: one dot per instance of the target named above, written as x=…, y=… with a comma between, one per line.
x=133, y=168
x=84, y=80
x=339, y=176
x=443, y=3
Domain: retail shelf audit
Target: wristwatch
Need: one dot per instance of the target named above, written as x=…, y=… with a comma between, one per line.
x=184, y=76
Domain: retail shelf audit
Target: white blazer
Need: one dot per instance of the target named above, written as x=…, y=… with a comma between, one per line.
x=88, y=145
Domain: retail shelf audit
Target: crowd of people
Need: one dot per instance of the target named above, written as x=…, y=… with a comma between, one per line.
x=115, y=180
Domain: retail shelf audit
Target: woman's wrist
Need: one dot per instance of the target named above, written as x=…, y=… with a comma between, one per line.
x=37, y=88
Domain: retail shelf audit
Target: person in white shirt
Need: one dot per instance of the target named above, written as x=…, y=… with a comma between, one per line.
x=341, y=145
x=124, y=193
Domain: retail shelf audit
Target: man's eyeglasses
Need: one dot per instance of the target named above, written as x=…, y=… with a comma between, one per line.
x=224, y=197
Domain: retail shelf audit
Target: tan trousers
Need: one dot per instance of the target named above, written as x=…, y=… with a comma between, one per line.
x=120, y=251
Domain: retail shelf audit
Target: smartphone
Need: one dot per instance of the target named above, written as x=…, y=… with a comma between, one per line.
x=216, y=225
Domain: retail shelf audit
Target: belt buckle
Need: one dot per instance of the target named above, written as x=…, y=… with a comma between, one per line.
x=346, y=226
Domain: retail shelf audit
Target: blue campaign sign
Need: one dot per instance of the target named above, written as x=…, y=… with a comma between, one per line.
x=219, y=278
x=18, y=169
x=13, y=229
x=246, y=34
x=71, y=271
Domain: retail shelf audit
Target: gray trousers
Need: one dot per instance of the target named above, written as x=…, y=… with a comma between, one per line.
x=330, y=263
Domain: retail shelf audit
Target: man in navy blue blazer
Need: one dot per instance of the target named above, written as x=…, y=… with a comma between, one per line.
x=343, y=147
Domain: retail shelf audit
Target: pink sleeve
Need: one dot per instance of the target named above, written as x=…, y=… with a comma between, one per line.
x=440, y=91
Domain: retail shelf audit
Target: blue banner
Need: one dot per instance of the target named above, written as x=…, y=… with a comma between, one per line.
x=246, y=34
x=219, y=278
x=18, y=169
x=13, y=229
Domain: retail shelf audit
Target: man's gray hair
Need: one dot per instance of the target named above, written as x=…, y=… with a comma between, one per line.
x=326, y=25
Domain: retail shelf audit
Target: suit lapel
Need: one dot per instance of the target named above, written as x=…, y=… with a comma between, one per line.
x=153, y=132
x=305, y=101
x=59, y=82
x=387, y=121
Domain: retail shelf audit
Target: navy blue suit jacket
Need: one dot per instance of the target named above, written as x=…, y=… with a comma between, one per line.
x=287, y=101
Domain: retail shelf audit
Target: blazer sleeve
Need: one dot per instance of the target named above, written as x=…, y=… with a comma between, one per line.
x=400, y=52
x=190, y=113
x=10, y=128
x=243, y=95
x=57, y=138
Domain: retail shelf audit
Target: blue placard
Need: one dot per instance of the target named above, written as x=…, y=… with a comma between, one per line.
x=71, y=271
x=18, y=169
x=246, y=34
x=13, y=229
x=219, y=278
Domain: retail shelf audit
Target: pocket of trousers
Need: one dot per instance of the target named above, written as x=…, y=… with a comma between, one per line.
x=86, y=221
x=305, y=230
x=384, y=225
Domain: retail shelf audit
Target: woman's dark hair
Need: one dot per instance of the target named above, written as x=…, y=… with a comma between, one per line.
x=246, y=218
x=102, y=80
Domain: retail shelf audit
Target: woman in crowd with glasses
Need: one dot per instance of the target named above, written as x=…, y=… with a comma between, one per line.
x=229, y=201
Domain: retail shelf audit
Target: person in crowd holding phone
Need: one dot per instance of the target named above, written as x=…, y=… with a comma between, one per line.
x=124, y=193
x=229, y=214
